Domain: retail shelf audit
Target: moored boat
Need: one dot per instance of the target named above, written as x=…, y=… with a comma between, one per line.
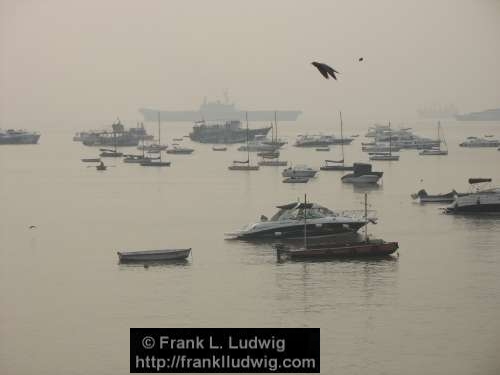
x=153, y=255
x=370, y=248
x=296, y=180
x=423, y=197
x=362, y=174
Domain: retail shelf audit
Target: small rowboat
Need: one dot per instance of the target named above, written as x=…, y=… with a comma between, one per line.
x=372, y=248
x=153, y=255
x=215, y=148
x=91, y=160
x=322, y=148
x=296, y=180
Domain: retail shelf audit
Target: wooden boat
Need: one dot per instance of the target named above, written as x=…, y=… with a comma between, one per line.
x=322, y=148
x=296, y=180
x=372, y=248
x=153, y=255
x=91, y=160
x=423, y=197
x=215, y=148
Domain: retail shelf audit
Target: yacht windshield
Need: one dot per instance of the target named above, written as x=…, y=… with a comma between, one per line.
x=297, y=213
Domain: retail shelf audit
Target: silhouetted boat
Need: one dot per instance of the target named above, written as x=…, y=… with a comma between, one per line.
x=153, y=255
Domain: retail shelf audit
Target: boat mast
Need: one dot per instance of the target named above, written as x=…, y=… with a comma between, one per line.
x=276, y=125
x=305, y=221
x=341, y=138
x=248, y=150
x=366, y=217
x=159, y=133
x=390, y=139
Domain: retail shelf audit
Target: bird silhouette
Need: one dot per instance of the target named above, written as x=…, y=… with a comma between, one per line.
x=325, y=70
x=361, y=59
x=32, y=227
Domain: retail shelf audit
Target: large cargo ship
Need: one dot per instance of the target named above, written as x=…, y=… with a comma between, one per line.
x=18, y=137
x=217, y=110
x=229, y=131
x=488, y=115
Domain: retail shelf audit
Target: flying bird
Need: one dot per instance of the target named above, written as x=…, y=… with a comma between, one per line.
x=360, y=59
x=32, y=227
x=325, y=70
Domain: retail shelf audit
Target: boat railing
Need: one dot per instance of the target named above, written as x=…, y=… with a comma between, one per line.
x=360, y=214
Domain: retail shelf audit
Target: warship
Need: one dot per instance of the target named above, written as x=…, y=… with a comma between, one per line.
x=217, y=110
x=18, y=137
x=488, y=115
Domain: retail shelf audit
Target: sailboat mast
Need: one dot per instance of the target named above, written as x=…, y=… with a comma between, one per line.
x=305, y=221
x=366, y=217
x=159, y=133
x=341, y=138
x=276, y=125
x=390, y=139
x=248, y=150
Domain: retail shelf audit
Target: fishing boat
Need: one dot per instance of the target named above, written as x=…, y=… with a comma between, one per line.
x=296, y=180
x=436, y=150
x=244, y=165
x=156, y=162
x=362, y=174
x=338, y=165
x=108, y=153
x=91, y=160
x=18, y=137
x=137, y=159
x=153, y=255
x=423, y=197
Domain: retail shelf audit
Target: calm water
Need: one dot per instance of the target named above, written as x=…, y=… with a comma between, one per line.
x=67, y=305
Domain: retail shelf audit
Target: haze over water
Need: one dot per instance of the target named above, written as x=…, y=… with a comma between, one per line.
x=66, y=305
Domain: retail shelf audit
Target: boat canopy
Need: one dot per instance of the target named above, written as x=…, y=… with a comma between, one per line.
x=478, y=180
x=295, y=211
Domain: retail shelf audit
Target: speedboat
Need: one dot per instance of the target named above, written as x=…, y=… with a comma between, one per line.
x=289, y=223
x=362, y=175
x=483, y=199
x=299, y=171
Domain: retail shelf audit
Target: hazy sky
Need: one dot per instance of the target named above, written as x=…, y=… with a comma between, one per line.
x=89, y=61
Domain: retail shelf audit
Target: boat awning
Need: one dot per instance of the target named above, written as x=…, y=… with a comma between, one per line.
x=478, y=180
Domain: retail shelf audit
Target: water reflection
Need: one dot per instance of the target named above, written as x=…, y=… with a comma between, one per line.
x=153, y=264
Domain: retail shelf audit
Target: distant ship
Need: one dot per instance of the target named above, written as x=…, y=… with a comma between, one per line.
x=229, y=131
x=18, y=137
x=488, y=115
x=217, y=110
x=119, y=136
x=437, y=111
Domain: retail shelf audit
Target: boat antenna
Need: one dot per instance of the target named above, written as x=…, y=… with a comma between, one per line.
x=366, y=217
x=305, y=221
x=341, y=138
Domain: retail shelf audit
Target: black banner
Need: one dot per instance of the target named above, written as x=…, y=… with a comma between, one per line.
x=219, y=350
